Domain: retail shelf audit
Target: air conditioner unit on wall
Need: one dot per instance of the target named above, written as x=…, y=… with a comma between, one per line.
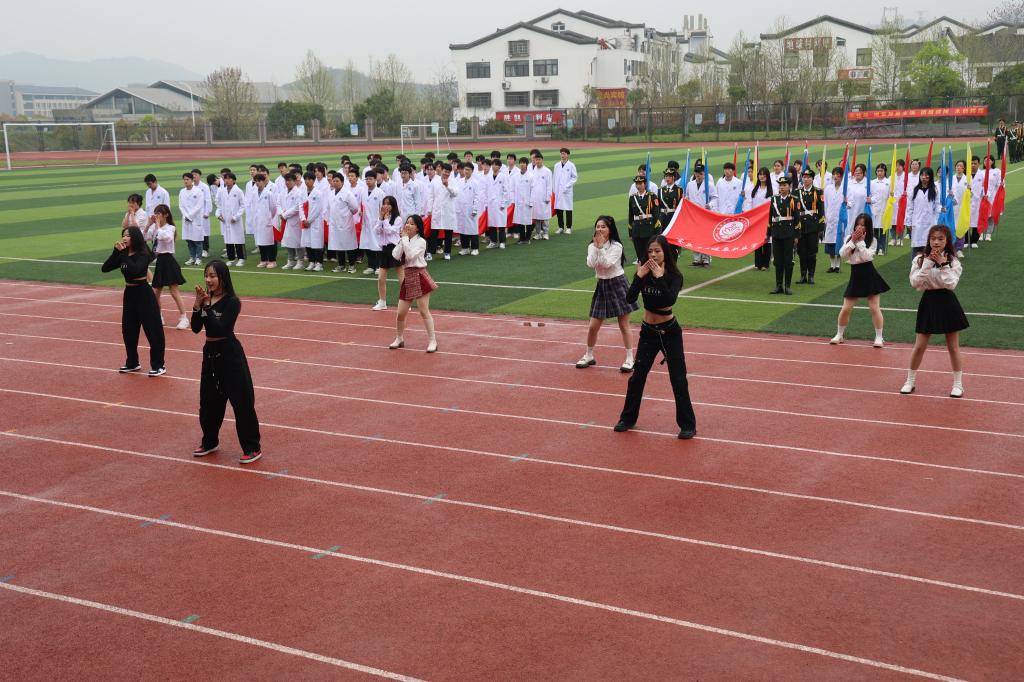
x=545, y=79
x=506, y=85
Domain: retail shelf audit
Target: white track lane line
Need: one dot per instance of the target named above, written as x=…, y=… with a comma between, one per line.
x=506, y=587
x=686, y=481
x=213, y=632
x=519, y=321
x=730, y=356
x=540, y=387
x=518, y=287
x=536, y=515
x=729, y=441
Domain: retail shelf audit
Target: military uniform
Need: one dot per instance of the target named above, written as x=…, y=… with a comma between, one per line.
x=643, y=218
x=670, y=196
x=811, y=229
x=784, y=221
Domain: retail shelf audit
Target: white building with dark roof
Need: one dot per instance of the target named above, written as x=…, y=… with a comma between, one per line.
x=40, y=101
x=167, y=98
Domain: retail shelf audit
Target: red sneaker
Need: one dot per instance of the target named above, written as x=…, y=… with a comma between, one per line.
x=249, y=457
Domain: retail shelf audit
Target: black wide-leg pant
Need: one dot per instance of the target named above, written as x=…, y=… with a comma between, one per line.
x=782, y=254
x=665, y=338
x=225, y=379
x=808, y=251
x=141, y=310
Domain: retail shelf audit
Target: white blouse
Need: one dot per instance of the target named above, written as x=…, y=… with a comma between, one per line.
x=606, y=261
x=925, y=274
x=858, y=252
x=412, y=249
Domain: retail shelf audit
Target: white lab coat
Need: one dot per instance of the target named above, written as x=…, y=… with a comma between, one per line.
x=728, y=192
x=262, y=209
x=207, y=208
x=313, y=234
x=156, y=197
x=833, y=202
x=523, y=185
x=343, y=209
x=922, y=213
x=879, y=198
x=565, y=177
x=371, y=214
x=856, y=196
x=497, y=201
x=289, y=208
x=468, y=205
x=408, y=196
x=695, y=194
x=190, y=203
x=443, y=204
x=250, y=190
x=540, y=193
x=230, y=209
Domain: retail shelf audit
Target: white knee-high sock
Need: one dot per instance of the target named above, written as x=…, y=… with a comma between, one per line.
x=428, y=322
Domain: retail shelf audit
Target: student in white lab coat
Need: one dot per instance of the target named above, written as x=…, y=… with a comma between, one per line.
x=833, y=197
x=289, y=209
x=442, y=212
x=207, y=188
x=190, y=203
x=762, y=193
x=155, y=195
x=370, y=214
x=262, y=209
x=313, y=223
x=541, y=196
x=522, y=215
x=923, y=207
x=705, y=197
x=497, y=205
x=875, y=204
x=565, y=177
x=995, y=178
x=250, y=187
x=407, y=191
x=469, y=204
x=343, y=207
x=230, y=209
x=857, y=191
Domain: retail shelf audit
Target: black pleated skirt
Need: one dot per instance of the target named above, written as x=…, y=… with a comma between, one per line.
x=940, y=313
x=865, y=281
x=167, y=271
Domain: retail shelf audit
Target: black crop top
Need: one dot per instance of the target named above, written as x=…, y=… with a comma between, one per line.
x=660, y=293
x=218, y=319
x=133, y=266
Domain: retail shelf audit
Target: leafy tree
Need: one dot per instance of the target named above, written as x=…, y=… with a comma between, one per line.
x=1006, y=84
x=284, y=116
x=381, y=107
x=932, y=80
x=230, y=103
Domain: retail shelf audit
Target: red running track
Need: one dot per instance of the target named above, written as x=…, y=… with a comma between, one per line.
x=486, y=523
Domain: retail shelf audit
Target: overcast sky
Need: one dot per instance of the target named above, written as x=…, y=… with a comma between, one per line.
x=268, y=39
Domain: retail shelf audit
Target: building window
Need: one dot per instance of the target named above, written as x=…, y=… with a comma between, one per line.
x=864, y=56
x=984, y=74
x=519, y=48
x=478, y=69
x=478, y=100
x=545, y=67
x=819, y=59
x=545, y=98
x=790, y=59
x=517, y=68
x=517, y=99
x=840, y=42
x=558, y=27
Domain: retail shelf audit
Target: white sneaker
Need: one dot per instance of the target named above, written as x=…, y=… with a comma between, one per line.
x=377, y=271
x=351, y=269
x=428, y=258
x=256, y=250
x=205, y=254
x=463, y=252
x=447, y=256
x=474, y=252
x=368, y=271
x=907, y=388
x=568, y=230
x=319, y=267
x=560, y=230
x=974, y=245
x=959, y=253
x=838, y=338
x=188, y=262
x=310, y=267
x=879, y=342
x=988, y=237
x=546, y=237
x=229, y=263
x=183, y=323
x=338, y=269
x=262, y=264
x=380, y=305
x=627, y=366
x=492, y=245
x=287, y=266
x=957, y=391
x=501, y=246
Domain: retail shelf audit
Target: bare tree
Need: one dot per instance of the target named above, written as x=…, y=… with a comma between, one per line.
x=230, y=101
x=315, y=82
x=885, y=60
x=1010, y=12
x=351, y=92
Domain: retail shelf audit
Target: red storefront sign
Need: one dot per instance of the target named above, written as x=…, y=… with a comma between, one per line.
x=862, y=74
x=541, y=118
x=937, y=112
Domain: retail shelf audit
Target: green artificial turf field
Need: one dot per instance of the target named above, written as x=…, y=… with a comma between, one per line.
x=58, y=225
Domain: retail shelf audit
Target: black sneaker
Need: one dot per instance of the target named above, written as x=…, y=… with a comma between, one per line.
x=157, y=372
x=622, y=426
x=687, y=434
x=249, y=457
x=203, y=450
x=127, y=368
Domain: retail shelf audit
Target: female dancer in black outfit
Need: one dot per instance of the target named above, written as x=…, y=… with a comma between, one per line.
x=132, y=256
x=659, y=280
x=225, y=374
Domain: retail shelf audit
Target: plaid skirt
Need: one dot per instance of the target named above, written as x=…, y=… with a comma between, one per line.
x=417, y=283
x=610, y=299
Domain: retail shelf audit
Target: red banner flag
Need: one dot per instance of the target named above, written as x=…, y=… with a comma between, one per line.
x=901, y=211
x=279, y=231
x=718, y=234
x=481, y=222
x=985, y=208
x=928, y=160
x=426, y=225
x=1000, y=201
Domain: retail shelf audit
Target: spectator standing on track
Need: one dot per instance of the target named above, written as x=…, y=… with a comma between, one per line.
x=167, y=272
x=225, y=374
x=605, y=256
x=416, y=284
x=936, y=272
x=139, y=308
x=865, y=282
x=660, y=281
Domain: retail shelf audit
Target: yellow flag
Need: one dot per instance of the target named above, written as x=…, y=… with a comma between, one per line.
x=963, y=220
x=890, y=203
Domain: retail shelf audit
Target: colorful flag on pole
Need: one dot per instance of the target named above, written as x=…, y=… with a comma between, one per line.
x=743, y=187
x=999, y=203
x=891, y=201
x=985, y=208
x=928, y=161
x=901, y=213
x=963, y=221
x=844, y=211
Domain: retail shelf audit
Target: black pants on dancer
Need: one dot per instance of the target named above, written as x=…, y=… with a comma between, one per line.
x=142, y=310
x=665, y=338
x=225, y=379
x=808, y=250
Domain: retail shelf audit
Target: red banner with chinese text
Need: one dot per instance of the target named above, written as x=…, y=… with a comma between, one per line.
x=717, y=234
x=935, y=112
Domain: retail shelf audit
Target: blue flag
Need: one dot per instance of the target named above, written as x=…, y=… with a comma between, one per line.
x=949, y=215
x=844, y=211
x=743, y=187
x=684, y=179
x=648, y=168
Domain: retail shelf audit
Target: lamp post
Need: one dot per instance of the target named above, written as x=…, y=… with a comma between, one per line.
x=192, y=103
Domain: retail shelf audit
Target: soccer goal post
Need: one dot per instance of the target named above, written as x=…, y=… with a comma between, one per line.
x=422, y=132
x=42, y=144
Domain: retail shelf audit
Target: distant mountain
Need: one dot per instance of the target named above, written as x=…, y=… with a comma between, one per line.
x=100, y=75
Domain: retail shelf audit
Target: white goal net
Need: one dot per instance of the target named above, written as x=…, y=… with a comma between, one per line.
x=421, y=137
x=42, y=145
